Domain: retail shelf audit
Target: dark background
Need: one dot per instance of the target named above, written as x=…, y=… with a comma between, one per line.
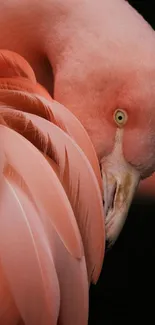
x=125, y=292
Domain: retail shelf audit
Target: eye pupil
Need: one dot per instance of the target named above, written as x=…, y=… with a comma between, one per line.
x=120, y=117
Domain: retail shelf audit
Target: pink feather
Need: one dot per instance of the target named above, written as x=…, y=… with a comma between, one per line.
x=54, y=112
x=77, y=177
x=50, y=186
x=13, y=143
x=26, y=257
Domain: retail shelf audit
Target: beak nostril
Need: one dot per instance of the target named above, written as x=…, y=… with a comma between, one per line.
x=111, y=197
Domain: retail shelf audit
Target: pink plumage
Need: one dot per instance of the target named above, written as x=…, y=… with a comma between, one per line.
x=97, y=59
x=52, y=222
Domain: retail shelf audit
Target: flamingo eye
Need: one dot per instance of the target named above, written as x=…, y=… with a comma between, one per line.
x=120, y=117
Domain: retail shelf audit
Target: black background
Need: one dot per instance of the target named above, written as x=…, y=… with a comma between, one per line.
x=125, y=292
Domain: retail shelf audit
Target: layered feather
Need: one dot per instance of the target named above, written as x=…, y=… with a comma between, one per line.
x=36, y=248
x=9, y=314
x=77, y=177
x=50, y=204
x=27, y=258
x=14, y=65
x=18, y=78
x=38, y=103
x=44, y=185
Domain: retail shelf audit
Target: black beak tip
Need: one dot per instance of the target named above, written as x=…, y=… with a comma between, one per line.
x=108, y=245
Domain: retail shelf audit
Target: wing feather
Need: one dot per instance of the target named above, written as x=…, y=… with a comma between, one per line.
x=53, y=111
x=22, y=84
x=74, y=286
x=26, y=257
x=77, y=177
x=14, y=65
x=45, y=186
x=74, y=289
x=48, y=169
x=9, y=314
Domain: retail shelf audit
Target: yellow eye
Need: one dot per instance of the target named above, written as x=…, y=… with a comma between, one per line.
x=120, y=117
